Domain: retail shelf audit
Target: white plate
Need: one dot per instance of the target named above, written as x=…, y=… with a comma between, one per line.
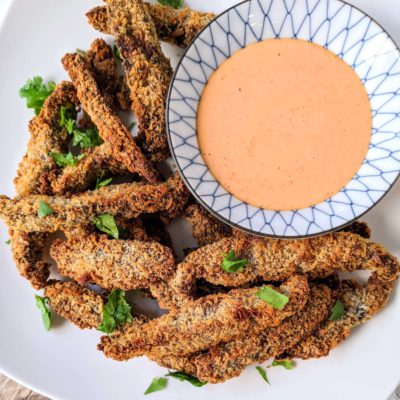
x=64, y=364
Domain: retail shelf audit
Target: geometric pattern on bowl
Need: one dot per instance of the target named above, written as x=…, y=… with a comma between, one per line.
x=337, y=26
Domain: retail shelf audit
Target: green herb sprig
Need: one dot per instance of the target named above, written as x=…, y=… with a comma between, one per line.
x=272, y=297
x=44, y=210
x=42, y=305
x=116, y=312
x=172, y=3
x=106, y=223
x=156, y=385
x=232, y=264
x=66, y=159
x=35, y=91
x=337, y=311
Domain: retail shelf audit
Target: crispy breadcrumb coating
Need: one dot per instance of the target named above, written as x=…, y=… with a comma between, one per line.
x=102, y=62
x=205, y=322
x=37, y=169
x=361, y=303
x=113, y=264
x=175, y=26
x=206, y=229
x=110, y=127
x=148, y=72
x=228, y=360
x=126, y=200
x=27, y=248
x=83, y=307
x=276, y=260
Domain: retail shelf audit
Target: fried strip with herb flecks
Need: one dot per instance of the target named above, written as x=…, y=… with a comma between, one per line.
x=127, y=200
x=206, y=322
x=148, y=72
x=83, y=175
x=113, y=264
x=360, y=302
x=27, y=248
x=82, y=306
x=276, y=260
x=175, y=26
x=38, y=168
x=110, y=127
x=228, y=360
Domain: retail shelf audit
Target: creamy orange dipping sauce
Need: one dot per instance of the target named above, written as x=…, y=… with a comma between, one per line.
x=284, y=124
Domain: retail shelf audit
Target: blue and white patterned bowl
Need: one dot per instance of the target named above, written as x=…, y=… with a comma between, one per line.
x=337, y=26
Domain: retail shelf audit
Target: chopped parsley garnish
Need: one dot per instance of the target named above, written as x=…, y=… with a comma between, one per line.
x=156, y=385
x=232, y=264
x=66, y=159
x=36, y=92
x=272, y=297
x=116, y=52
x=8, y=241
x=131, y=126
x=42, y=305
x=106, y=223
x=44, y=210
x=337, y=311
x=67, y=117
x=185, y=377
x=84, y=138
x=116, y=312
x=263, y=374
x=100, y=182
x=287, y=364
x=172, y=3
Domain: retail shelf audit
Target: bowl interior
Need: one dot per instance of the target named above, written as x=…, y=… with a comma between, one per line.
x=334, y=25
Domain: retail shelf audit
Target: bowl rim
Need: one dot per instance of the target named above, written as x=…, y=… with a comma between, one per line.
x=199, y=199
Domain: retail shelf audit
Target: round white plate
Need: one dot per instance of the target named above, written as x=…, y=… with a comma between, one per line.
x=64, y=363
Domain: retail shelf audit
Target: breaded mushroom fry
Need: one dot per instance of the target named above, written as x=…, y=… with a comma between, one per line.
x=126, y=200
x=175, y=26
x=205, y=322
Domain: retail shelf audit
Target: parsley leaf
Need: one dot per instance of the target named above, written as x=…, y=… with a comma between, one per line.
x=189, y=378
x=106, y=223
x=86, y=138
x=272, y=297
x=131, y=126
x=116, y=312
x=67, y=117
x=232, y=264
x=36, y=92
x=8, y=241
x=44, y=210
x=287, y=364
x=100, y=182
x=172, y=3
x=263, y=374
x=62, y=160
x=116, y=52
x=42, y=305
x=337, y=311
x=83, y=138
x=156, y=385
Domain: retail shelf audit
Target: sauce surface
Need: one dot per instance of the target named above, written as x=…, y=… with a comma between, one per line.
x=284, y=124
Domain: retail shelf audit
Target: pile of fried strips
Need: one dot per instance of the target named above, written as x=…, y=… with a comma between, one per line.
x=217, y=322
